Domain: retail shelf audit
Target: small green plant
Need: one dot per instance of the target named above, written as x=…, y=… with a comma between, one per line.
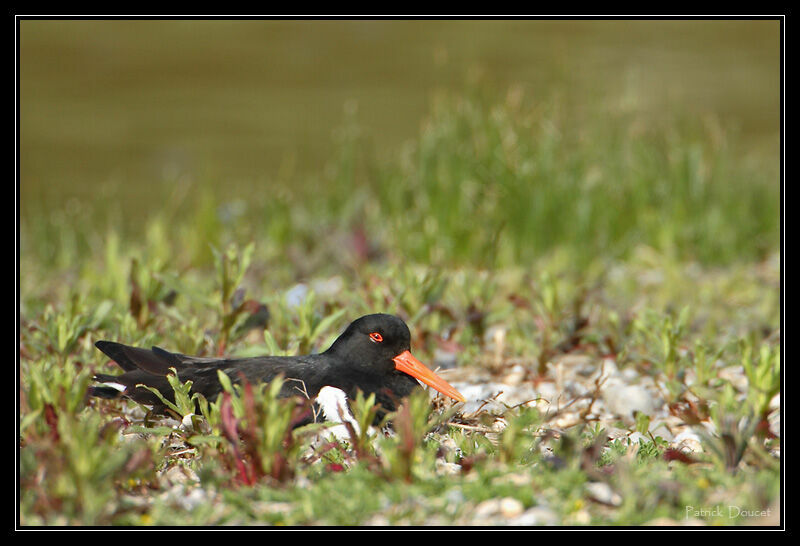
x=404, y=453
x=62, y=330
x=735, y=427
x=79, y=469
x=668, y=333
x=53, y=386
x=146, y=290
x=311, y=326
x=184, y=403
x=231, y=266
x=518, y=440
x=704, y=365
x=72, y=457
x=256, y=417
x=364, y=410
x=763, y=374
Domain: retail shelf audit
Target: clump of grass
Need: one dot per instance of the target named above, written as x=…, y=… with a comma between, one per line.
x=265, y=424
x=534, y=185
x=74, y=466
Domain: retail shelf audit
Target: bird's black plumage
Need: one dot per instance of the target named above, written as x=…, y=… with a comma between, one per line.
x=364, y=357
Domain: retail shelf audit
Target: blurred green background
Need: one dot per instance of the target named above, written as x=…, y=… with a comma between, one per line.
x=480, y=143
x=118, y=109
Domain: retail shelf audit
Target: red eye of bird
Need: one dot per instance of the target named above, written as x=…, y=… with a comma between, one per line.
x=376, y=337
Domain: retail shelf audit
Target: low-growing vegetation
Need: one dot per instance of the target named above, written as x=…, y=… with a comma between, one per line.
x=607, y=300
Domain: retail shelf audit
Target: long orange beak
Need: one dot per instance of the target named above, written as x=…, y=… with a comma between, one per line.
x=405, y=362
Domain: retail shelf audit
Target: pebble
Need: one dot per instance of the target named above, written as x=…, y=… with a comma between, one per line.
x=538, y=515
x=187, y=499
x=688, y=441
x=378, y=520
x=624, y=400
x=265, y=507
x=186, y=423
x=660, y=429
x=443, y=468
x=515, y=375
x=296, y=295
x=548, y=391
x=507, y=507
x=447, y=443
x=607, y=370
x=485, y=397
x=494, y=340
x=616, y=433
x=574, y=389
x=581, y=517
x=194, y=498
x=637, y=437
x=179, y=474
x=565, y=420
x=736, y=375
x=630, y=375
x=602, y=492
x=775, y=417
x=775, y=423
